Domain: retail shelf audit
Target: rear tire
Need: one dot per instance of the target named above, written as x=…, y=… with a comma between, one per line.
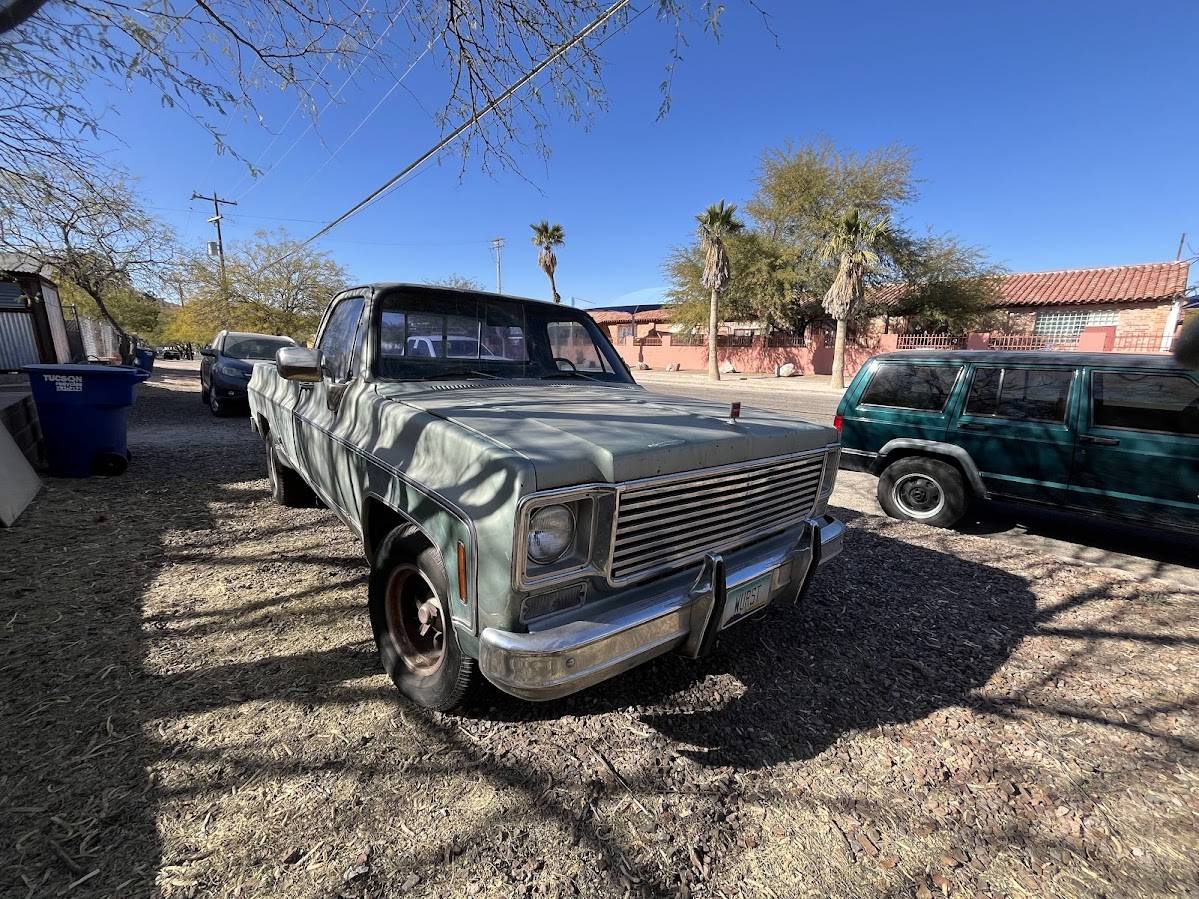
x=287, y=487
x=410, y=618
x=921, y=489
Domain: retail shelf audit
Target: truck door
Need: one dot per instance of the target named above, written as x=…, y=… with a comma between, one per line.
x=1138, y=447
x=324, y=412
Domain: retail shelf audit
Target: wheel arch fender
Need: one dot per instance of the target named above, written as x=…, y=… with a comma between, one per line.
x=910, y=446
x=380, y=518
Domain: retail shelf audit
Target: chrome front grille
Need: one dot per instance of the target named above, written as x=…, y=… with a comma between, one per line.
x=669, y=522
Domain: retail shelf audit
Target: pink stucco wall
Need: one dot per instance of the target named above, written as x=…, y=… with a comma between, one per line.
x=811, y=359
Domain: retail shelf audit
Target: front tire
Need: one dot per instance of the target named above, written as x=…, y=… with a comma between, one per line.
x=215, y=405
x=410, y=618
x=921, y=489
x=287, y=487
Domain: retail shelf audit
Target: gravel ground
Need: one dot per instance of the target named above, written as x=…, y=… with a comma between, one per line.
x=191, y=707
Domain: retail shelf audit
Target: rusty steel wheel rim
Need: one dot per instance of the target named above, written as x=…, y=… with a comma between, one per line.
x=415, y=622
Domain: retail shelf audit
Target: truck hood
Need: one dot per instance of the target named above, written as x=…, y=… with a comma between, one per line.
x=575, y=434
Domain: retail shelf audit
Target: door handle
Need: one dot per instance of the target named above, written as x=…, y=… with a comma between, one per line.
x=972, y=426
x=1098, y=441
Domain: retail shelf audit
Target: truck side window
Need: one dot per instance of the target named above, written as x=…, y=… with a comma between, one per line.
x=1145, y=402
x=570, y=341
x=904, y=386
x=336, y=343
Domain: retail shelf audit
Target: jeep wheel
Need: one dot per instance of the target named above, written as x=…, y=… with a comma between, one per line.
x=287, y=487
x=925, y=490
x=410, y=618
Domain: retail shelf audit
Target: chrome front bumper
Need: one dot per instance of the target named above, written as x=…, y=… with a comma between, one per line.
x=557, y=661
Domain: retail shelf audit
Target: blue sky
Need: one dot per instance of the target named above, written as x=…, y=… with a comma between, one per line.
x=1054, y=135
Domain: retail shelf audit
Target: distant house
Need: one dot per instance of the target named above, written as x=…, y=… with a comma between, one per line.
x=1129, y=308
x=1143, y=303
x=32, y=328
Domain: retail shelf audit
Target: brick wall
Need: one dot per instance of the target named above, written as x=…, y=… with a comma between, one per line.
x=1142, y=321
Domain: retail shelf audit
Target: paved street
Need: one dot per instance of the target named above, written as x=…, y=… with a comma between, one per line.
x=1141, y=552
x=812, y=404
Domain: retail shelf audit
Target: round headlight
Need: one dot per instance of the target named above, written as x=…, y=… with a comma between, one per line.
x=551, y=531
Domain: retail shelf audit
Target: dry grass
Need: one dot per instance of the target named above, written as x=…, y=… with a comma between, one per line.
x=192, y=707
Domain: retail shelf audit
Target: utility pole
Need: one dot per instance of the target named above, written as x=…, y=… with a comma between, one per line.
x=497, y=248
x=216, y=201
x=1171, y=324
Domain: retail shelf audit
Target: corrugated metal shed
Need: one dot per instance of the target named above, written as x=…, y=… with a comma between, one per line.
x=18, y=343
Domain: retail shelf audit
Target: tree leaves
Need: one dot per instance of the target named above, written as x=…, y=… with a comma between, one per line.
x=779, y=271
x=287, y=297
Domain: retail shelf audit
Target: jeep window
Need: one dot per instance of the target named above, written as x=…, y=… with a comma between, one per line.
x=1020, y=394
x=908, y=386
x=1167, y=404
x=426, y=334
x=337, y=340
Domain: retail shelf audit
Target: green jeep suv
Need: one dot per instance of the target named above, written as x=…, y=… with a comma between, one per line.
x=1109, y=434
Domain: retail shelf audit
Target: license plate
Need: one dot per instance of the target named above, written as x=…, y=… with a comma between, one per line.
x=747, y=598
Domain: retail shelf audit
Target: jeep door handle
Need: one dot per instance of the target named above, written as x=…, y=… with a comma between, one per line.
x=972, y=426
x=1098, y=441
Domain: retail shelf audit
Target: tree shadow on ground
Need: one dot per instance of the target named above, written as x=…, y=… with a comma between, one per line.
x=889, y=632
x=76, y=802
x=1092, y=539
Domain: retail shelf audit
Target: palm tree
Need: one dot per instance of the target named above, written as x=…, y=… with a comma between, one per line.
x=546, y=237
x=716, y=224
x=855, y=242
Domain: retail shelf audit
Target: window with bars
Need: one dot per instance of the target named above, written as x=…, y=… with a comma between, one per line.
x=1068, y=325
x=623, y=332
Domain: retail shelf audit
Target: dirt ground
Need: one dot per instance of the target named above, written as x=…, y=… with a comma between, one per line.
x=191, y=706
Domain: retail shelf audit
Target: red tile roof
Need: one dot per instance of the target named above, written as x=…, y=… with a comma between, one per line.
x=613, y=316
x=1152, y=282
x=1155, y=281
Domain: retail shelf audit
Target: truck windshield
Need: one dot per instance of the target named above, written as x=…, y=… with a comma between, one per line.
x=425, y=334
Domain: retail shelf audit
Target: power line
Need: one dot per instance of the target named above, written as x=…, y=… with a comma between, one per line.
x=457, y=132
x=330, y=102
x=391, y=90
x=295, y=109
x=366, y=118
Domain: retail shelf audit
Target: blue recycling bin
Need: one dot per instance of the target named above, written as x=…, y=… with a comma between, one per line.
x=145, y=358
x=83, y=410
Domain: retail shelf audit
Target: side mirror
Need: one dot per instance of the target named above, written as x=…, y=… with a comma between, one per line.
x=297, y=363
x=207, y=351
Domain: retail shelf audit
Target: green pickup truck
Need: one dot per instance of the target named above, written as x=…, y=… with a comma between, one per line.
x=529, y=511
x=1110, y=434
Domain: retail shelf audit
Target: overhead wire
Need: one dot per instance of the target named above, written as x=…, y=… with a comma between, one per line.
x=299, y=103
x=328, y=103
x=395, y=180
x=391, y=90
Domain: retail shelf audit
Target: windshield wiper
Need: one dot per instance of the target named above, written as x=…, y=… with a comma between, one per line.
x=464, y=373
x=570, y=374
